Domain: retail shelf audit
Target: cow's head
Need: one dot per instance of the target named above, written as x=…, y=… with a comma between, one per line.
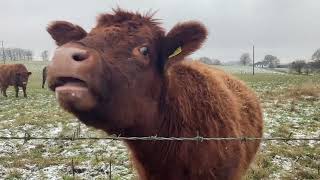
x=21, y=78
x=116, y=70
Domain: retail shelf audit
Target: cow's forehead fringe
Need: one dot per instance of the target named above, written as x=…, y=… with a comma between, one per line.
x=119, y=15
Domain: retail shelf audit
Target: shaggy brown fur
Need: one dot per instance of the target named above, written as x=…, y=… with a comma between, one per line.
x=14, y=75
x=118, y=78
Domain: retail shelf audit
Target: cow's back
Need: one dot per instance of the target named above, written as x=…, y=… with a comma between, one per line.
x=251, y=118
x=224, y=107
x=5, y=74
x=251, y=121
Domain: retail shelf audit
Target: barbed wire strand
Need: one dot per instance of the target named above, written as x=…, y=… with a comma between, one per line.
x=28, y=137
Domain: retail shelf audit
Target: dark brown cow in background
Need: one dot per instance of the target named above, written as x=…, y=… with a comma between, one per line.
x=127, y=77
x=14, y=75
x=44, y=76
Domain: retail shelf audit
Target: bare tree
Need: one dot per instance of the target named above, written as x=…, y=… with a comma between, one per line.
x=316, y=55
x=316, y=60
x=272, y=61
x=216, y=62
x=298, y=66
x=205, y=60
x=245, y=59
x=210, y=61
x=29, y=55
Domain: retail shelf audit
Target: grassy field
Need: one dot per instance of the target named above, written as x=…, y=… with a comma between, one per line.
x=291, y=106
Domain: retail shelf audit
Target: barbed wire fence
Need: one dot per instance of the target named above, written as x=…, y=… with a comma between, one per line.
x=28, y=137
x=77, y=137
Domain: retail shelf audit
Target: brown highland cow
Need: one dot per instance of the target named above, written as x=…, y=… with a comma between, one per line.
x=15, y=75
x=127, y=77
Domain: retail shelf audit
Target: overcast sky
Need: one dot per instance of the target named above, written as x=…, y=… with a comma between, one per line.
x=288, y=29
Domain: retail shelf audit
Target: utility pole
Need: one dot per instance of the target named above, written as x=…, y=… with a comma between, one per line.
x=253, y=60
x=3, y=55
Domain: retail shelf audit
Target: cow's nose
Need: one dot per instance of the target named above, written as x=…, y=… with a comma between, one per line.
x=72, y=61
x=71, y=55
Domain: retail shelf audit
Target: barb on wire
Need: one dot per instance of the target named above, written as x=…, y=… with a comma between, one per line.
x=26, y=137
x=289, y=136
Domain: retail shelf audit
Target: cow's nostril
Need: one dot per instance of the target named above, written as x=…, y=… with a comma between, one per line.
x=80, y=56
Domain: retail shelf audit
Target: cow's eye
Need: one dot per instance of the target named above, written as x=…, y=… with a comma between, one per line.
x=144, y=50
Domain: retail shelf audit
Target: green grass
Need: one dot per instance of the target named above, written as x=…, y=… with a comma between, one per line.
x=291, y=105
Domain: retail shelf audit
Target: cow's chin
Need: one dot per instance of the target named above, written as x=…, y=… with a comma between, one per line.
x=75, y=98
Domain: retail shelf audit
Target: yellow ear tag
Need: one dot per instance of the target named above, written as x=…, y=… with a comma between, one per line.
x=176, y=52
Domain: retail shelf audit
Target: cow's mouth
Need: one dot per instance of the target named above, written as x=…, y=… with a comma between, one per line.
x=67, y=82
x=73, y=94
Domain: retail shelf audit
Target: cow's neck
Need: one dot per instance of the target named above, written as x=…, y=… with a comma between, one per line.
x=158, y=158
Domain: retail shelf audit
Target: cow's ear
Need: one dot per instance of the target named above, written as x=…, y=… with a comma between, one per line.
x=63, y=32
x=182, y=40
x=29, y=73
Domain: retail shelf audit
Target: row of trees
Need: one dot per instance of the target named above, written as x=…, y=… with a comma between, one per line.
x=15, y=54
x=210, y=61
x=268, y=61
x=18, y=54
x=301, y=66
